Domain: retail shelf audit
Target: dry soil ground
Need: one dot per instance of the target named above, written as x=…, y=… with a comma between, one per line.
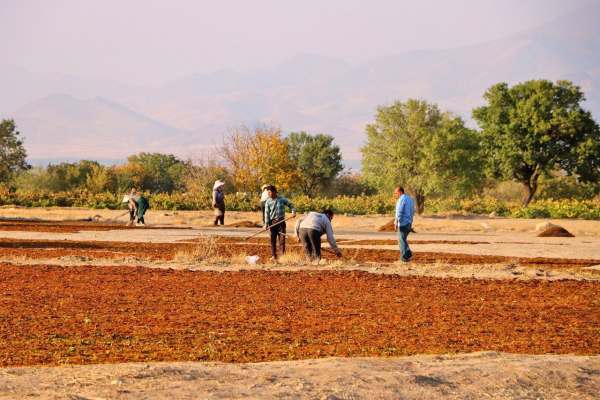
x=91, y=309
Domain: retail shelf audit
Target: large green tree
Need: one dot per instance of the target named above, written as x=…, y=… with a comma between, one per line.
x=427, y=151
x=317, y=159
x=84, y=174
x=12, y=152
x=535, y=127
x=68, y=176
x=156, y=172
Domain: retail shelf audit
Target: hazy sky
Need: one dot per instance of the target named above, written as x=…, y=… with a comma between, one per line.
x=150, y=41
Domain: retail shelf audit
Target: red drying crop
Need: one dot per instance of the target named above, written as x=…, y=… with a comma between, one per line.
x=54, y=315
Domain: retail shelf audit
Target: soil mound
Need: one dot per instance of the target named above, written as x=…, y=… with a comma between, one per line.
x=388, y=227
x=245, y=224
x=542, y=226
x=555, y=231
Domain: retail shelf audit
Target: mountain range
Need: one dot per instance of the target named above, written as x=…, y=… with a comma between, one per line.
x=68, y=116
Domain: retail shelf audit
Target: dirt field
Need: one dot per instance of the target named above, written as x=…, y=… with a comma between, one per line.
x=80, y=292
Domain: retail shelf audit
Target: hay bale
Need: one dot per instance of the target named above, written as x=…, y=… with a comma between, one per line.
x=388, y=227
x=245, y=224
x=555, y=231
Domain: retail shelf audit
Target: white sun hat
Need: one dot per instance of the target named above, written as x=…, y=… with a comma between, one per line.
x=218, y=184
x=125, y=199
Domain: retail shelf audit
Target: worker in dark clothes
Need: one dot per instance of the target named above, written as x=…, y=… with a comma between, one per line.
x=275, y=218
x=142, y=207
x=218, y=202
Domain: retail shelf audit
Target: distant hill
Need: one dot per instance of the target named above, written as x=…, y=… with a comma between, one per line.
x=63, y=126
x=308, y=92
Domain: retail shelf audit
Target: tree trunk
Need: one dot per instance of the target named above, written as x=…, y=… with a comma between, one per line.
x=531, y=187
x=420, y=200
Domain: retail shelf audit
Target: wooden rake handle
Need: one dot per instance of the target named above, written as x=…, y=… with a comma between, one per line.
x=269, y=227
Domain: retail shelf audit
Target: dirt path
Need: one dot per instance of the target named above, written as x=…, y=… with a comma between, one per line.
x=470, y=376
x=217, y=252
x=484, y=244
x=367, y=223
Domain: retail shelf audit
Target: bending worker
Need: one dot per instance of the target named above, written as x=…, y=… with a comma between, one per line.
x=131, y=206
x=310, y=229
x=138, y=205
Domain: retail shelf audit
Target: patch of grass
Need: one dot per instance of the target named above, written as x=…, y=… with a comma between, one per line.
x=293, y=259
x=206, y=249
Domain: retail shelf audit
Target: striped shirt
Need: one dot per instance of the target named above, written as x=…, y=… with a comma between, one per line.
x=275, y=209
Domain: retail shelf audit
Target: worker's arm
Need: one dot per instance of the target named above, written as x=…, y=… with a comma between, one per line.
x=297, y=228
x=399, y=211
x=330, y=237
x=291, y=206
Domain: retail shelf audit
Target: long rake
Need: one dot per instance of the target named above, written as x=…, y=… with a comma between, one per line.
x=269, y=227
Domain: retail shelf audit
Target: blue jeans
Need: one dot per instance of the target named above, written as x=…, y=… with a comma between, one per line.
x=403, y=232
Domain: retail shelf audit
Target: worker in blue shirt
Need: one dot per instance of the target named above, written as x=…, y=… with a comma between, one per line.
x=405, y=211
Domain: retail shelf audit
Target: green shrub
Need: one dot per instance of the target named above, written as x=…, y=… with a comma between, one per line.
x=506, y=191
x=355, y=205
x=565, y=188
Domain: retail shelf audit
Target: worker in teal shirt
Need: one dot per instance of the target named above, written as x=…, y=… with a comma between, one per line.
x=405, y=211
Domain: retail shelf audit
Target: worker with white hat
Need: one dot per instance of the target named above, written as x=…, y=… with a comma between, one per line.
x=218, y=202
x=263, y=200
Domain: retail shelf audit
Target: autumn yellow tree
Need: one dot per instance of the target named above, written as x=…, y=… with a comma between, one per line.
x=258, y=156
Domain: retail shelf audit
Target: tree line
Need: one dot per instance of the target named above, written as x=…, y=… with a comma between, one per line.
x=535, y=134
